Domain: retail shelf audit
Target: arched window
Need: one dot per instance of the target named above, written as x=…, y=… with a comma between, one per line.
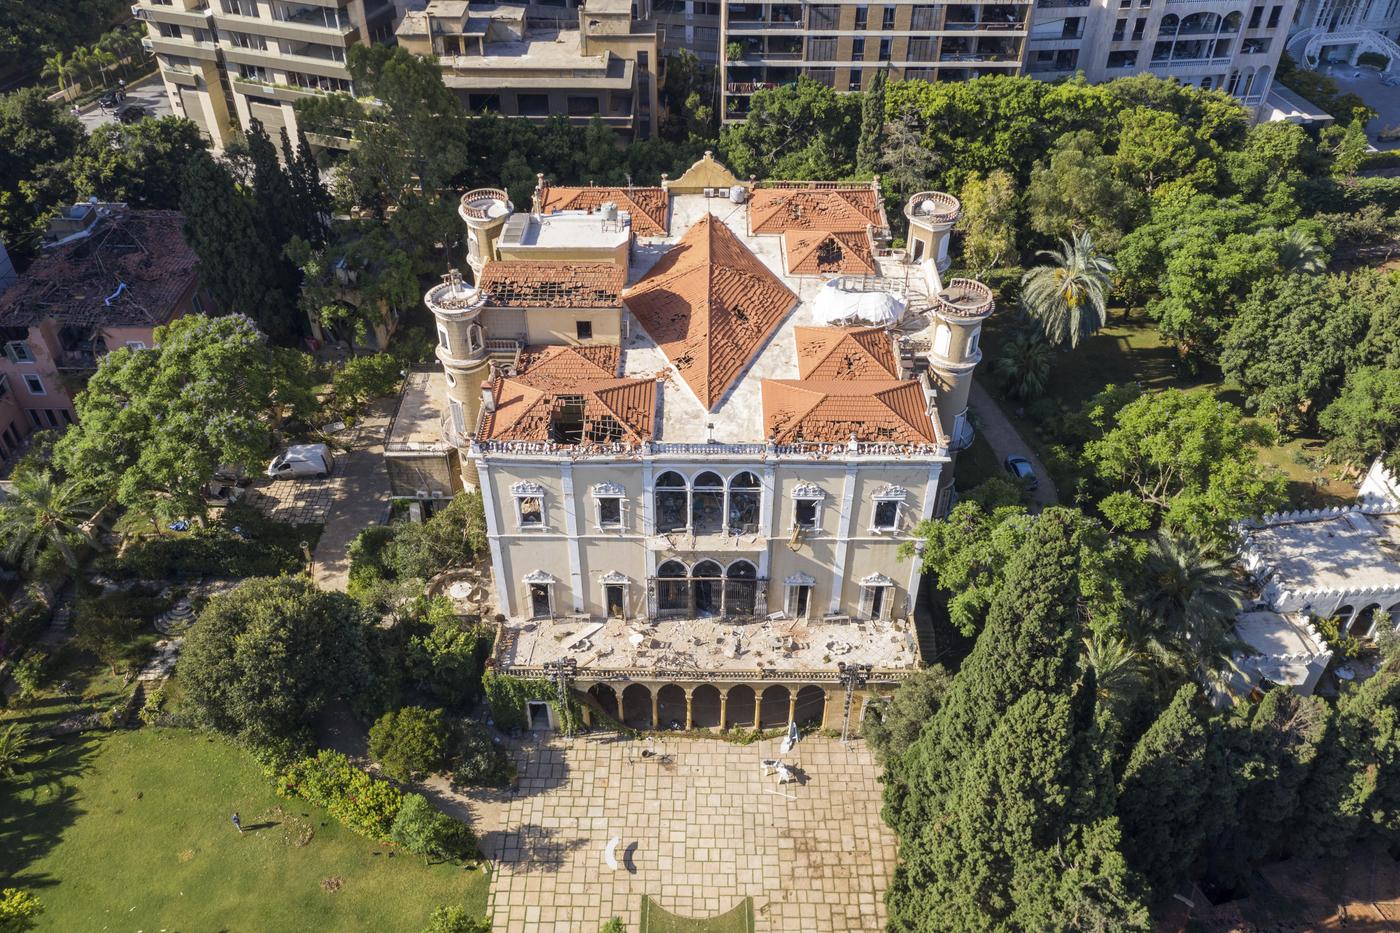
x=707, y=504
x=745, y=499
x=1206, y=84
x=1169, y=25
x=475, y=341
x=740, y=588
x=1232, y=23
x=672, y=587
x=672, y=502
x=1198, y=23
x=706, y=581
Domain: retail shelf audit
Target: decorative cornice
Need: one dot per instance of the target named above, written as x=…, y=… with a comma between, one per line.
x=800, y=579
x=615, y=577
x=892, y=492
x=538, y=576
x=608, y=490
x=876, y=579
x=808, y=491
x=526, y=488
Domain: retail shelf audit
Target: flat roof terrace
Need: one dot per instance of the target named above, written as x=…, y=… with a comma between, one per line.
x=710, y=648
x=1353, y=550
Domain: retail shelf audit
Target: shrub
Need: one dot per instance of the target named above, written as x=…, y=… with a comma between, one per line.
x=409, y=742
x=445, y=654
x=481, y=762
x=1343, y=646
x=455, y=920
x=424, y=830
x=366, y=805
x=259, y=547
x=367, y=567
x=411, y=550
x=365, y=378
x=613, y=926
x=18, y=910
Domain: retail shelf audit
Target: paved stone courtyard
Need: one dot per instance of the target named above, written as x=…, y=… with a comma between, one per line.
x=297, y=501
x=698, y=833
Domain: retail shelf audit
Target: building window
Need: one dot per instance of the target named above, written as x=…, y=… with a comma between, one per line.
x=1254, y=46
x=540, y=589
x=672, y=502
x=609, y=503
x=34, y=384
x=53, y=418
x=854, y=83
x=876, y=596
x=1122, y=59
x=862, y=17
x=1120, y=28
x=798, y=603
x=806, y=506
x=887, y=18
x=582, y=106
x=1256, y=16
x=459, y=418
x=170, y=31
x=884, y=50
x=1139, y=27
x=529, y=505
x=1274, y=15
x=886, y=515
x=136, y=345
x=18, y=351
x=857, y=50
x=443, y=340
x=615, y=594
x=707, y=504
x=745, y=502
x=584, y=330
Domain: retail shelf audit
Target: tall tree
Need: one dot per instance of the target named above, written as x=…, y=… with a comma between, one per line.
x=1364, y=421
x=39, y=134
x=312, y=199
x=43, y=513
x=1075, y=188
x=139, y=163
x=1189, y=602
x=242, y=270
x=155, y=424
x=1162, y=795
x=988, y=221
x=802, y=130
x=1003, y=804
x=1069, y=297
x=872, y=124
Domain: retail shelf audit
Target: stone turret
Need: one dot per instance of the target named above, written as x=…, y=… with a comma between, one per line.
x=958, y=310
x=931, y=216
x=485, y=211
x=461, y=349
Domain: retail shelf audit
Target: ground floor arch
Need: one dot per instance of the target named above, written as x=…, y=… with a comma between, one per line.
x=704, y=707
x=810, y=706
x=606, y=698
x=741, y=706
x=774, y=708
x=636, y=707
x=670, y=707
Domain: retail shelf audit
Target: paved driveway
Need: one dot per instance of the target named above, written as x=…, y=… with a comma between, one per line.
x=698, y=834
x=361, y=496
x=149, y=93
x=1005, y=440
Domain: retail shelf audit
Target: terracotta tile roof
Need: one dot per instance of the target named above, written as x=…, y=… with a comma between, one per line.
x=558, y=284
x=831, y=411
x=817, y=252
x=710, y=305
x=589, y=411
x=833, y=210
x=648, y=206
x=845, y=353
x=569, y=364
x=131, y=270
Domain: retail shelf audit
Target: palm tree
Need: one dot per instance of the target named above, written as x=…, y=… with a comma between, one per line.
x=1024, y=365
x=1190, y=602
x=103, y=59
x=1299, y=251
x=14, y=748
x=1070, y=296
x=81, y=65
x=42, y=513
x=1114, y=664
x=56, y=66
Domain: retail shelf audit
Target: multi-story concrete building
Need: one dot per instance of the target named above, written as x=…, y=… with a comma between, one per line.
x=538, y=62
x=1341, y=30
x=108, y=277
x=225, y=62
x=700, y=454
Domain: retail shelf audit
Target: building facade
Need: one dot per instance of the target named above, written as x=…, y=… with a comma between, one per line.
x=538, y=62
x=700, y=454
x=227, y=62
x=1333, y=31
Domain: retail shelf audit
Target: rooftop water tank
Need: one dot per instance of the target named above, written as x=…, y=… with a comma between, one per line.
x=738, y=194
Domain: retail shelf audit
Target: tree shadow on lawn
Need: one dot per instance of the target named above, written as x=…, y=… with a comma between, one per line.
x=530, y=849
x=41, y=805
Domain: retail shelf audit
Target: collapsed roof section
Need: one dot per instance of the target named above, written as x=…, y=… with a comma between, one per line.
x=820, y=252
x=837, y=411
x=711, y=305
x=553, y=284
x=570, y=395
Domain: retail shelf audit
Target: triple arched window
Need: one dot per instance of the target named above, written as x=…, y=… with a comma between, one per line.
x=708, y=504
x=707, y=589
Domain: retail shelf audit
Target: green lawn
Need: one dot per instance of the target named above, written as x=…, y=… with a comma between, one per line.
x=131, y=831
x=737, y=920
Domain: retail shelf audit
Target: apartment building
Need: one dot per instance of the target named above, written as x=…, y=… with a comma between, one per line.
x=107, y=278
x=1342, y=30
x=703, y=418
x=1229, y=45
x=538, y=62
x=226, y=62
x=842, y=45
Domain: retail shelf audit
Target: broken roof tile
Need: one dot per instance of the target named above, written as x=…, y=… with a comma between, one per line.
x=845, y=353
x=834, y=411
x=646, y=206
x=711, y=305
x=571, y=395
x=819, y=252
x=553, y=284
x=538, y=364
x=829, y=209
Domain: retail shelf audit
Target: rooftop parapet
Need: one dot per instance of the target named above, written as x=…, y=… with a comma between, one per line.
x=933, y=208
x=453, y=297
x=965, y=299
x=485, y=204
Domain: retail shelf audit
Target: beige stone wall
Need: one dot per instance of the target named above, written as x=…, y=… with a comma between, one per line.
x=554, y=326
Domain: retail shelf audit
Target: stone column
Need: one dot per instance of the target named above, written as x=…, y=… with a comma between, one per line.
x=689, y=715
x=587, y=714
x=723, y=708
x=792, y=705
x=826, y=708
x=655, y=710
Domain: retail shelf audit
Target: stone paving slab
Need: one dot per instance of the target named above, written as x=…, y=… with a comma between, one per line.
x=698, y=833
x=297, y=501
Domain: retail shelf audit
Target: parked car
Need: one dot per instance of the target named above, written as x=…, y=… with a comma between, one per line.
x=302, y=460
x=1022, y=472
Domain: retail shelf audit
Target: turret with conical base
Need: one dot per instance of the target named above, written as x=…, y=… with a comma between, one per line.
x=485, y=211
x=461, y=349
x=931, y=216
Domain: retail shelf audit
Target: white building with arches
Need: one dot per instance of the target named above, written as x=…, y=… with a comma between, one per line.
x=697, y=480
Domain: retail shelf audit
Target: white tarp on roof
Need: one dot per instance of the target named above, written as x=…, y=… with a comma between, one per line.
x=836, y=303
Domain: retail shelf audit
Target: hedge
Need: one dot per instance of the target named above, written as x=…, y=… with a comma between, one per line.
x=506, y=695
x=366, y=805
